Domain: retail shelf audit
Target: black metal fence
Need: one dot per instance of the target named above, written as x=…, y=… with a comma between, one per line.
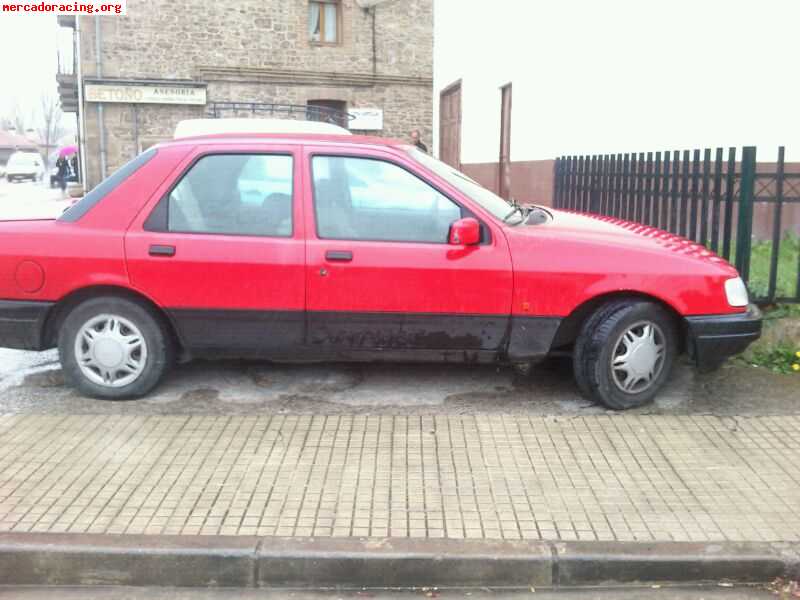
x=300, y=112
x=707, y=197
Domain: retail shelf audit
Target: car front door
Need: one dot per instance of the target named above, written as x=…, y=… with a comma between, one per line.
x=381, y=276
x=221, y=248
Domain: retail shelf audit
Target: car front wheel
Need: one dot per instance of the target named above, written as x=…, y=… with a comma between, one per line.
x=625, y=353
x=113, y=348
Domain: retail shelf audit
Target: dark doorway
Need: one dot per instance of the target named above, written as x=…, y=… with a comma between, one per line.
x=504, y=164
x=450, y=125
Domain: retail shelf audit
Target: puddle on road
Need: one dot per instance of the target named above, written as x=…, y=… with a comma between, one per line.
x=16, y=366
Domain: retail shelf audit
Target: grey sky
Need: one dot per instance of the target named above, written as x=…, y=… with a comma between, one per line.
x=28, y=46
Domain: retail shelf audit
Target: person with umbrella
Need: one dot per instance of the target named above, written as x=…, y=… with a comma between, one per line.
x=63, y=166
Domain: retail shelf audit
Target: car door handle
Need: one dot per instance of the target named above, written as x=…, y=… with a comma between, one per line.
x=158, y=250
x=339, y=255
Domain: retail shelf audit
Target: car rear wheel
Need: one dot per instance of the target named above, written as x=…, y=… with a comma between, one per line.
x=625, y=353
x=114, y=349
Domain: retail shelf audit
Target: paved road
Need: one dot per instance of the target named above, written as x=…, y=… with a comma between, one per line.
x=32, y=382
x=126, y=593
x=29, y=200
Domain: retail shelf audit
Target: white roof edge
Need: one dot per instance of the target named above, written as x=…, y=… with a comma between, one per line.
x=200, y=127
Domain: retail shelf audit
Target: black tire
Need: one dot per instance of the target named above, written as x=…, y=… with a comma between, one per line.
x=579, y=363
x=157, y=339
x=598, y=340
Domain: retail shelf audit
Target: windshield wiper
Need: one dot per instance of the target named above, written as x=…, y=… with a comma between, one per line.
x=516, y=208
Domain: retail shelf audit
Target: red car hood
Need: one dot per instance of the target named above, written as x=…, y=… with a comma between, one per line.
x=611, y=232
x=568, y=260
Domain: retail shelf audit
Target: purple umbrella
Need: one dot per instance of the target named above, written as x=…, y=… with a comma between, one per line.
x=67, y=150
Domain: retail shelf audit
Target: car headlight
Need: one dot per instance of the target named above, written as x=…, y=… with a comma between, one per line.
x=736, y=291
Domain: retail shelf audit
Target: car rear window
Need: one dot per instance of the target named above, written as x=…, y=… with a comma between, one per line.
x=21, y=160
x=108, y=185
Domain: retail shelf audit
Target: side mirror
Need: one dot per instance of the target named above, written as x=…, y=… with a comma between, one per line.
x=465, y=232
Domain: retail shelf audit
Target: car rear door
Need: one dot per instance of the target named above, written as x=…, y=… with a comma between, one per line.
x=380, y=275
x=221, y=248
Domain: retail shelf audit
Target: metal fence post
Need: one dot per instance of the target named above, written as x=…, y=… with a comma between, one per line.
x=744, y=227
x=594, y=193
x=730, y=182
x=776, y=226
x=558, y=182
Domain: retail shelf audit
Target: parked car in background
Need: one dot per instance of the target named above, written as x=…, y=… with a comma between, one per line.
x=25, y=165
x=314, y=246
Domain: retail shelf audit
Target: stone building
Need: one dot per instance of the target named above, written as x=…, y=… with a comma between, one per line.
x=167, y=60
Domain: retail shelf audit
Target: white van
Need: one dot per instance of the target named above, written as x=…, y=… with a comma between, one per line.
x=25, y=165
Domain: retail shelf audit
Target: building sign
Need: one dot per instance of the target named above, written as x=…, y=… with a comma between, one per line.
x=366, y=119
x=144, y=93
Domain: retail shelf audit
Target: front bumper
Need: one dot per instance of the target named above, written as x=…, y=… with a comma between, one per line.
x=22, y=324
x=714, y=338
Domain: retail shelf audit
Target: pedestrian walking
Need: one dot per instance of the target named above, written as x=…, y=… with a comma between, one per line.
x=62, y=167
x=415, y=139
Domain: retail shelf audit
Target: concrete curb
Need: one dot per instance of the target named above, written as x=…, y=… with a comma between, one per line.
x=86, y=559
x=219, y=561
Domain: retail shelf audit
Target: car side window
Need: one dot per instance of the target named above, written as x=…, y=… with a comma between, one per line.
x=368, y=199
x=234, y=194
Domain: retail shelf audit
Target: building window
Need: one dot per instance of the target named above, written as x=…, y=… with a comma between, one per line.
x=324, y=21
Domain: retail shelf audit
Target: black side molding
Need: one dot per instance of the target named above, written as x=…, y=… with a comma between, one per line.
x=22, y=324
x=531, y=338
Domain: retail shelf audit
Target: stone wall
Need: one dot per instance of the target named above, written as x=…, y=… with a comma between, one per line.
x=258, y=51
x=172, y=39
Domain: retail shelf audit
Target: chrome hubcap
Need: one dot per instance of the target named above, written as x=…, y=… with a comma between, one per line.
x=110, y=351
x=638, y=357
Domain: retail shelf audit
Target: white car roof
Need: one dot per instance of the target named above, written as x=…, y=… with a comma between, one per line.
x=199, y=127
x=26, y=156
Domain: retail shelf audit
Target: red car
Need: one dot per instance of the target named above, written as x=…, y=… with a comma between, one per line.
x=309, y=247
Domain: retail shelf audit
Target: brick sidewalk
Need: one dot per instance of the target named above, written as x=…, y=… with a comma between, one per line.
x=649, y=478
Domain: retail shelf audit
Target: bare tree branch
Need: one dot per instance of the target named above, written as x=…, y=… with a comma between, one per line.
x=50, y=129
x=15, y=119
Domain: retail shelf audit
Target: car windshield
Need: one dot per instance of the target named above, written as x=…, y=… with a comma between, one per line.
x=469, y=187
x=21, y=160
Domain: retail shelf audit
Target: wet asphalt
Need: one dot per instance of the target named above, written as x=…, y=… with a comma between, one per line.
x=33, y=383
